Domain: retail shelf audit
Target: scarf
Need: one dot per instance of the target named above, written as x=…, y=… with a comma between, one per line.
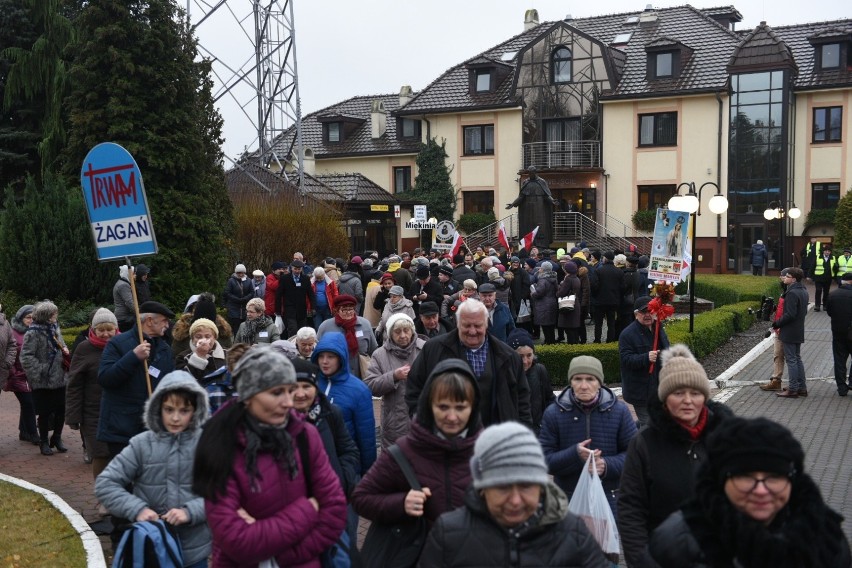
x=348, y=327
x=402, y=353
x=275, y=440
x=314, y=412
x=695, y=431
x=96, y=341
x=586, y=406
x=255, y=326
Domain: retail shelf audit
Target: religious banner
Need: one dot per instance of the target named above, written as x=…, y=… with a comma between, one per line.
x=667, y=251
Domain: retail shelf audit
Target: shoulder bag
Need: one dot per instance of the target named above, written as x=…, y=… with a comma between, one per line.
x=396, y=544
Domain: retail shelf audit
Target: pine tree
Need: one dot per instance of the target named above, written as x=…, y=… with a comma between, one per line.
x=136, y=82
x=432, y=185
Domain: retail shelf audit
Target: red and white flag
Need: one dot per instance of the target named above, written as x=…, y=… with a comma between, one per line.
x=686, y=267
x=502, y=237
x=528, y=240
x=458, y=241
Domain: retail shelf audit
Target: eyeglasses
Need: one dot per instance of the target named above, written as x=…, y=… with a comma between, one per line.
x=748, y=483
x=346, y=309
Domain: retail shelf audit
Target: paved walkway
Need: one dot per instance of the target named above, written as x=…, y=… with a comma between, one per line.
x=820, y=421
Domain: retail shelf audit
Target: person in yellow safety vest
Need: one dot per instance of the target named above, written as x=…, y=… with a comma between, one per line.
x=810, y=253
x=844, y=263
x=825, y=270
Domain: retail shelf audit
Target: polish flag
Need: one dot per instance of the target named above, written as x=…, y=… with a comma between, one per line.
x=503, y=238
x=687, y=261
x=458, y=241
x=528, y=240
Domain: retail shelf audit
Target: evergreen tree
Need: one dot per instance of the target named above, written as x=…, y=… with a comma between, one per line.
x=432, y=185
x=843, y=223
x=47, y=247
x=135, y=82
x=35, y=79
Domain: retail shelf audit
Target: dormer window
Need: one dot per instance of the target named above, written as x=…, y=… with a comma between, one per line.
x=663, y=65
x=560, y=65
x=829, y=56
x=483, y=80
x=334, y=132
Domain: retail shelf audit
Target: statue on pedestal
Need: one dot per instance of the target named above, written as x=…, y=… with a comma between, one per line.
x=535, y=208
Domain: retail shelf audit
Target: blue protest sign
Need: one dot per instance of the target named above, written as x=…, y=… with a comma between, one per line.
x=116, y=203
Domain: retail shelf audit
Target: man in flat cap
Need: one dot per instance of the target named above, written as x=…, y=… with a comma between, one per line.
x=429, y=323
x=122, y=375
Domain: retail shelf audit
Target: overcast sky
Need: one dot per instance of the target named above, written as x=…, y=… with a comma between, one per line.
x=346, y=48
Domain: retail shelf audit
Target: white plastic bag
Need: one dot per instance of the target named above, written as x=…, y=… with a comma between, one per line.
x=590, y=504
x=524, y=314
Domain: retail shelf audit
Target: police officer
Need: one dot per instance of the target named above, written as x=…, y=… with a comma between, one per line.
x=825, y=270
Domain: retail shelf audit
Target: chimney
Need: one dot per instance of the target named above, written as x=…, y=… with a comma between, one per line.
x=405, y=95
x=530, y=19
x=648, y=16
x=378, y=119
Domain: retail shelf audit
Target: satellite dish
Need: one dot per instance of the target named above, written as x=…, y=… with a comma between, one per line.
x=445, y=230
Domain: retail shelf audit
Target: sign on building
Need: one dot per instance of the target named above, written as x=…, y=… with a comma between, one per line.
x=116, y=204
x=379, y=208
x=419, y=225
x=420, y=212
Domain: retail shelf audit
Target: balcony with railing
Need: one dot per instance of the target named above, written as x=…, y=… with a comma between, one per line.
x=562, y=154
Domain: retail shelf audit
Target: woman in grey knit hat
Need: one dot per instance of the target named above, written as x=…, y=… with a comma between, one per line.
x=513, y=515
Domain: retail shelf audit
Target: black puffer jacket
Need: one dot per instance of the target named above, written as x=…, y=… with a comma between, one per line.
x=661, y=464
x=709, y=532
x=469, y=536
x=541, y=393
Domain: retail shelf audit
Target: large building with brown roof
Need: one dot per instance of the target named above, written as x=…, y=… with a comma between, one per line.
x=616, y=112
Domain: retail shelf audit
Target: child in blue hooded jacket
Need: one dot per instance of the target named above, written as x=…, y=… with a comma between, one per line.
x=347, y=392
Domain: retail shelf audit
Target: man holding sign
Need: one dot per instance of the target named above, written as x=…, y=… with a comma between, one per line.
x=122, y=375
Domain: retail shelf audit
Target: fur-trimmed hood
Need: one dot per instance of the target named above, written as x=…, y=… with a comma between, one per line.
x=180, y=331
x=173, y=381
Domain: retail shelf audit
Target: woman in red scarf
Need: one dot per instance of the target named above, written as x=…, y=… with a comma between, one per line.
x=83, y=393
x=663, y=459
x=360, y=339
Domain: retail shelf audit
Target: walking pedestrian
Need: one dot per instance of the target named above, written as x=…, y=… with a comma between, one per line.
x=791, y=327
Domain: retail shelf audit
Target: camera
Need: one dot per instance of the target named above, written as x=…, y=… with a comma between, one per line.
x=767, y=334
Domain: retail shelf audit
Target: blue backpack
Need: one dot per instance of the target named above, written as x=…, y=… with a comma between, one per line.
x=148, y=544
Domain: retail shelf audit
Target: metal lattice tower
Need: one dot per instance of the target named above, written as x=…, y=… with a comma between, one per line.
x=258, y=74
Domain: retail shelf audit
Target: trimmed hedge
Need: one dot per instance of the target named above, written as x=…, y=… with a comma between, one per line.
x=711, y=330
x=724, y=289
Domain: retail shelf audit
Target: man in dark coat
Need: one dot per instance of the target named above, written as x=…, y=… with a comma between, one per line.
x=520, y=284
x=607, y=284
x=429, y=323
x=498, y=369
x=425, y=289
x=122, y=375
x=462, y=271
x=792, y=332
x=295, y=297
x=636, y=352
x=238, y=291
x=839, y=308
x=758, y=257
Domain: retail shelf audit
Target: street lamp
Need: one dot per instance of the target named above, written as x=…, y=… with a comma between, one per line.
x=776, y=211
x=691, y=203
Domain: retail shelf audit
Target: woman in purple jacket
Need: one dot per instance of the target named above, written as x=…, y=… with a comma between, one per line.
x=439, y=446
x=262, y=501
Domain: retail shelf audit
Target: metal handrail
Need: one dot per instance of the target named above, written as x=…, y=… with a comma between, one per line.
x=562, y=154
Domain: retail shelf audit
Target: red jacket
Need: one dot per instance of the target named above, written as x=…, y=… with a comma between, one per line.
x=269, y=296
x=331, y=292
x=779, y=311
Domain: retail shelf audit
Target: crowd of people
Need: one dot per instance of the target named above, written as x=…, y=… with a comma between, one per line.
x=253, y=434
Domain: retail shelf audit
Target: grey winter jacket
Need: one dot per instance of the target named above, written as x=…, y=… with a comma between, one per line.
x=42, y=359
x=8, y=350
x=404, y=306
x=159, y=465
x=387, y=359
x=350, y=283
x=122, y=296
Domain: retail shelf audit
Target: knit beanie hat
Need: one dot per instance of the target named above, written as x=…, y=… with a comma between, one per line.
x=23, y=312
x=679, y=369
x=546, y=267
x=204, y=308
x=240, y=268
x=396, y=291
x=394, y=319
x=493, y=273
x=570, y=267
x=586, y=365
x=744, y=445
x=306, y=372
x=507, y=453
x=530, y=262
x=262, y=368
x=103, y=315
x=203, y=323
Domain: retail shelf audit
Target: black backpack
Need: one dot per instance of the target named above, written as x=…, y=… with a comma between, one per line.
x=148, y=544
